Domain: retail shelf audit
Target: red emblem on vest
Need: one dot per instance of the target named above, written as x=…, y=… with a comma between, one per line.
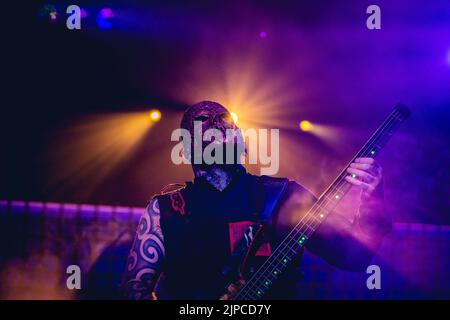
x=178, y=202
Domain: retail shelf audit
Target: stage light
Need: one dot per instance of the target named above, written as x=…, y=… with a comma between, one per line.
x=53, y=15
x=305, y=125
x=155, y=115
x=448, y=56
x=104, y=18
x=48, y=11
x=234, y=116
x=83, y=13
x=263, y=34
x=99, y=143
x=106, y=13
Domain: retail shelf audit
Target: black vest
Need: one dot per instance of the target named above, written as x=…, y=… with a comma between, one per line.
x=202, y=225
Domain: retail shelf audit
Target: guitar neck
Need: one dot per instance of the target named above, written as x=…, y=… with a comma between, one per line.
x=260, y=282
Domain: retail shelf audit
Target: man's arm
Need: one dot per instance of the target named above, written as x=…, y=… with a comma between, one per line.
x=345, y=244
x=146, y=256
x=351, y=245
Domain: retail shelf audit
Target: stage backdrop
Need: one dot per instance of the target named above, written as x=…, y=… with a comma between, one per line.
x=39, y=241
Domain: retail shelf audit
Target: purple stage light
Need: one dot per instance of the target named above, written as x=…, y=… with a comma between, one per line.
x=83, y=13
x=263, y=34
x=106, y=13
x=104, y=18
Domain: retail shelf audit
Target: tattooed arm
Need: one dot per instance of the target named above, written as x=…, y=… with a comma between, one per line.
x=146, y=256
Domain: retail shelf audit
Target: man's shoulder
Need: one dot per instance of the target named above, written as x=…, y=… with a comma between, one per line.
x=271, y=181
x=297, y=194
x=292, y=187
x=297, y=188
x=172, y=188
x=173, y=198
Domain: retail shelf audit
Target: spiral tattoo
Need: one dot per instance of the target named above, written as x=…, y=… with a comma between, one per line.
x=146, y=255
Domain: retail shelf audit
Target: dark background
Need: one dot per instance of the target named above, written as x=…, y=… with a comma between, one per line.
x=318, y=61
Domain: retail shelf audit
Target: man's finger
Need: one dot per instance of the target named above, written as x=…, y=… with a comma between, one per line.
x=363, y=166
x=361, y=175
x=365, y=160
x=359, y=183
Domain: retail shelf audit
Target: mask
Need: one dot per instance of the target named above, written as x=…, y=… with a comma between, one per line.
x=212, y=115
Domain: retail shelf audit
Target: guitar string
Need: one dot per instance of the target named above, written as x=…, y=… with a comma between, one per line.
x=311, y=215
x=320, y=205
x=387, y=123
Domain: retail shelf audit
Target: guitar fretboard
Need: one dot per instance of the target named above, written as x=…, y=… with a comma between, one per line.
x=261, y=281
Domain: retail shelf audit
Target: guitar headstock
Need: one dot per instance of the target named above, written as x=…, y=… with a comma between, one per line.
x=404, y=112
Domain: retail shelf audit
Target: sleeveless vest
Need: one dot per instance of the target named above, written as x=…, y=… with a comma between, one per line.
x=198, y=242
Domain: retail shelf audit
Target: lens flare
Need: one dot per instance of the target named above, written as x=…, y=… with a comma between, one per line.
x=234, y=116
x=155, y=115
x=93, y=147
x=305, y=125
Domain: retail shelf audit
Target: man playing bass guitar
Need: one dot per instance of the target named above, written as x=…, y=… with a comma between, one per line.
x=189, y=233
